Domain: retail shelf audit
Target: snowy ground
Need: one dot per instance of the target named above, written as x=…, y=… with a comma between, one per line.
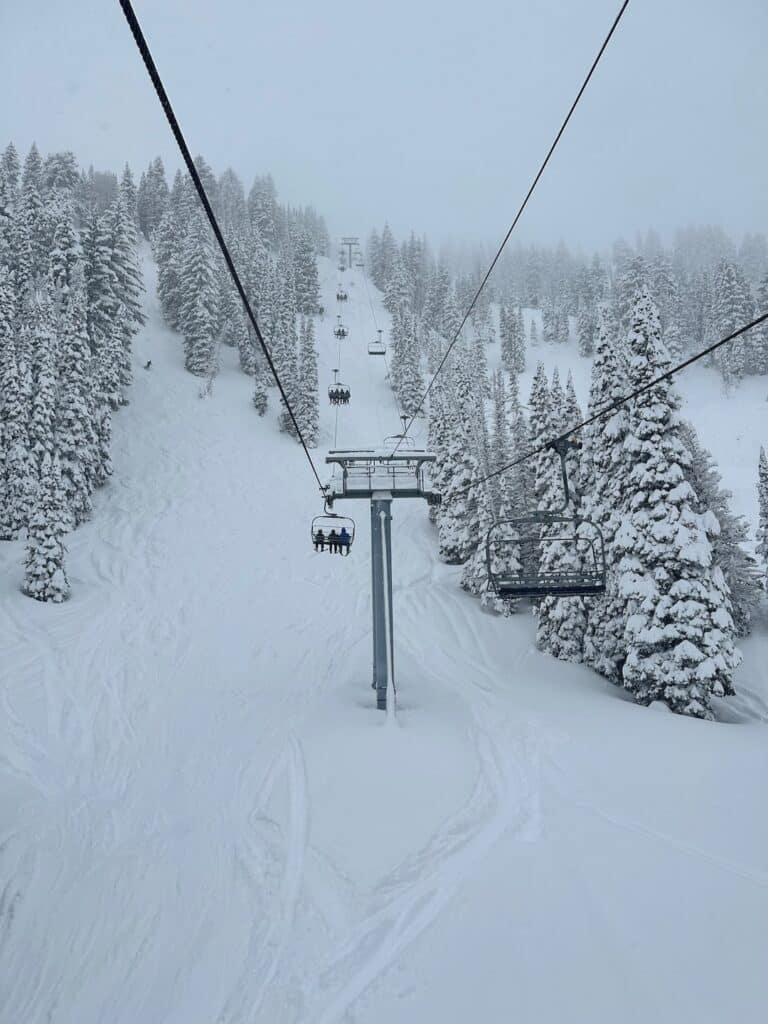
x=206, y=822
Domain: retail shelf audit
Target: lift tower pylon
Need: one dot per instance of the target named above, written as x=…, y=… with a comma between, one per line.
x=380, y=476
x=349, y=242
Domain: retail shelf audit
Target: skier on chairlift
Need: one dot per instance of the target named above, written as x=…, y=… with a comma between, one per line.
x=333, y=542
x=344, y=539
x=319, y=541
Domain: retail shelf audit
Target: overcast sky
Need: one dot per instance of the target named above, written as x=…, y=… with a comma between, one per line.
x=432, y=114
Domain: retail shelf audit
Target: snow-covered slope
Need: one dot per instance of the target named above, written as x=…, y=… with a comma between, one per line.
x=205, y=820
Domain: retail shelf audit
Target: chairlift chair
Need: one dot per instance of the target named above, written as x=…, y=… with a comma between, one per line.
x=327, y=533
x=340, y=331
x=515, y=551
x=338, y=393
x=402, y=441
x=377, y=348
x=341, y=295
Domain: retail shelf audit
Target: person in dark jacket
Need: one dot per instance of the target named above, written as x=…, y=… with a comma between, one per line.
x=344, y=541
x=319, y=540
x=333, y=542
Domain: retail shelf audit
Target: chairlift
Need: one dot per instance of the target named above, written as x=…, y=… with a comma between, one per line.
x=340, y=331
x=332, y=533
x=377, y=348
x=402, y=441
x=341, y=295
x=516, y=551
x=338, y=393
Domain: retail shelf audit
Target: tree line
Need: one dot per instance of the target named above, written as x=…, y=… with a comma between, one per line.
x=70, y=305
x=275, y=251
x=682, y=583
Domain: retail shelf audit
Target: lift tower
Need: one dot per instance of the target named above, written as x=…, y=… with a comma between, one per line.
x=380, y=475
x=349, y=242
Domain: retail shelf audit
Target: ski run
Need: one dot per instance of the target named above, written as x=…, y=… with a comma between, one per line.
x=207, y=822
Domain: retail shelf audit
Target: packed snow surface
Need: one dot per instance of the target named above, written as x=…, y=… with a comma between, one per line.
x=205, y=821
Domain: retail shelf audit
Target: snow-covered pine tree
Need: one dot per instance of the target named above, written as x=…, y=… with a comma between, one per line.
x=129, y=195
x=285, y=342
x=305, y=274
x=585, y=329
x=39, y=338
x=75, y=437
x=741, y=572
x=729, y=312
x=397, y=292
x=561, y=622
x=762, y=500
x=458, y=520
x=678, y=627
x=199, y=298
x=18, y=477
x=630, y=280
x=263, y=210
x=407, y=383
x=168, y=249
x=260, y=394
x=66, y=253
x=45, y=575
x=128, y=286
x=760, y=334
x=100, y=281
x=308, y=411
x=603, y=471
x=548, y=321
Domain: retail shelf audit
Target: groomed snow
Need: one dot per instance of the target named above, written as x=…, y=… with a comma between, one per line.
x=207, y=822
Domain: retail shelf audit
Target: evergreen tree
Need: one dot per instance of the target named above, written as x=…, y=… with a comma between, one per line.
x=168, y=248
x=308, y=411
x=603, y=475
x=305, y=274
x=129, y=195
x=585, y=329
x=741, y=572
x=458, y=520
x=75, y=436
x=760, y=334
x=762, y=498
x=730, y=310
x=45, y=577
x=678, y=628
x=260, y=394
x=200, y=296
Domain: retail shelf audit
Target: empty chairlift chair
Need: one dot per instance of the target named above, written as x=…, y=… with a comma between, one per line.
x=377, y=348
x=547, y=554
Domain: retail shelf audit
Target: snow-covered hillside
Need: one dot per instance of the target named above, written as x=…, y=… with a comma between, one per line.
x=207, y=821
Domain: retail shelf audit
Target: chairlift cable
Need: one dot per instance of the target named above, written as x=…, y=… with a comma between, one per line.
x=617, y=403
x=519, y=213
x=141, y=43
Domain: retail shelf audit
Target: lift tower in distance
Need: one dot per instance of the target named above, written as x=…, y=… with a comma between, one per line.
x=350, y=243
x=380, y=475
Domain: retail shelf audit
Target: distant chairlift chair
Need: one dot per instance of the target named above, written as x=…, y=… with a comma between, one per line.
x=340, y=331
x=377, y=348
x=517, y=551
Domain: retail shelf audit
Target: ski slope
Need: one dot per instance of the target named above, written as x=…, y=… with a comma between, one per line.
x=205, y=821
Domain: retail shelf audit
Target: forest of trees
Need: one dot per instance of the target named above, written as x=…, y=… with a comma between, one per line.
x=70, y=305
x=275, y=250
x=682, y=582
